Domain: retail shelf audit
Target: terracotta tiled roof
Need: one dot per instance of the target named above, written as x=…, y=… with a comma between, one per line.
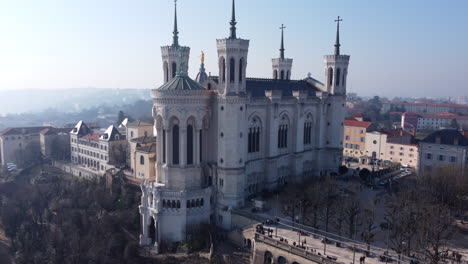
x=92, y=136
x=445, y=115
x=426, y=104
x=397, y=133
x=355, y=123
x=54, y=131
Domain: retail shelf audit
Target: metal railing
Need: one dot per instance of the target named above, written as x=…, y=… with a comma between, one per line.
x=292, y=249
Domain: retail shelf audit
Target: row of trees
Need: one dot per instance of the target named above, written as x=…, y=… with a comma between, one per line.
x=50, y=219
x=323, y=205
x=418, y=219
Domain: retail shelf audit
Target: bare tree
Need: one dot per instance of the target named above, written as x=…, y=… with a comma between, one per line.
x=368, y=234
x=352, y=208
x=328, y=196
x=434, y=231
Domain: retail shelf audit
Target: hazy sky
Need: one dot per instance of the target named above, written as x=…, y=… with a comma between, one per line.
x=398, y=47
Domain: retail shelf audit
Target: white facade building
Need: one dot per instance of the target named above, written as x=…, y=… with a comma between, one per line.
x=443, y=148
x=224, y=140
x=95, y=150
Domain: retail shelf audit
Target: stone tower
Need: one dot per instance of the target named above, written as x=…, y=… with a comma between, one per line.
x=336, y=71
x=232, y=60
x=231, y=116
x=170, y=54
x=336, y=67
x=281, y=66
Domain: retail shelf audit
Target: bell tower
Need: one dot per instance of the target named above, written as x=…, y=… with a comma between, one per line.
x=232, y=60
x=281, y=66
x=336, y=67
x=170, y=54
x=336, y=71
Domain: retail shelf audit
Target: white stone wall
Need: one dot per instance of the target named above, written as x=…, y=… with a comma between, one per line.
x=428, y=165
x=11, y=145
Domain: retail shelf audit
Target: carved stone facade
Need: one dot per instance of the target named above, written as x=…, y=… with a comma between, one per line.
x=225, y=140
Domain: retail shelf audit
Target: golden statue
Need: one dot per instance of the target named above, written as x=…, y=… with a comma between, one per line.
x=202, y=57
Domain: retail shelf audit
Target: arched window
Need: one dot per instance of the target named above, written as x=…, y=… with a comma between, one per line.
x=254, y=135
x=287, y=75
x=188, y=204
x=282, y=75
x=201, y=202
x=200, y=148
x=178, y=204
x=142, y=160
x=173, y=204
x=232, y=70
x=193, y=203
x=275, y=74
x=241, y=69
x=223, y=70
x=338, y=77
x=164, y=203
x=166, y=72
x=283, y=133
x=174, y=69
x=189, y=144
x=345, y=72
x=197, y=203
x=308, y=130
x=131, y=134
x=175, y=145
x=209, y=86
x=164, y=145
x=330, y=76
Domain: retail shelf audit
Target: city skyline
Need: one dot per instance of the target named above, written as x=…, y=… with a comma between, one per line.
x=114, y=44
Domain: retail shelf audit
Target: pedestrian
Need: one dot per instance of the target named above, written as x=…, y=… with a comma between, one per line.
x=363, y=259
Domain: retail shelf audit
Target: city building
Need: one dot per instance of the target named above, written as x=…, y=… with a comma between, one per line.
x=14, y=142
x=443, y=148
x=354, y=138
x=396, y=146
x=138, y=129
x=424, y=108
x=409, y=121
x=55, y=143
x=96, y=150
x=230, y=137
x=143, y=158
x=441, y=120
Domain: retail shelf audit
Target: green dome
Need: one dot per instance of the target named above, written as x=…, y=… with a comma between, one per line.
x=181, y=82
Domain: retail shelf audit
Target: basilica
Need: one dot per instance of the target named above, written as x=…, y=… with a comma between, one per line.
x=221, y=140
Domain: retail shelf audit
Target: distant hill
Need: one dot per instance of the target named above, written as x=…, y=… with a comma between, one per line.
x=67, y=100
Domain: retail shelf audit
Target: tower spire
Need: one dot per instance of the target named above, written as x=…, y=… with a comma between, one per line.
x=282, y=42
x=337, y=42
x=233, y=21
x=175, y=33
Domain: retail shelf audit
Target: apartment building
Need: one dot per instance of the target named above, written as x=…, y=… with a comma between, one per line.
x=97, y=151
x=443, y=148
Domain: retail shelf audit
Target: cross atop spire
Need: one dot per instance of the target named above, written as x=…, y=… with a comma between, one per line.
x=282, y=42
x=233, y=21
x=175, y=37
x=337, y=43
